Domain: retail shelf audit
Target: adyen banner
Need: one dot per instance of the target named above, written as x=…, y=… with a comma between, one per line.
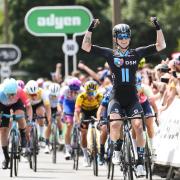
x=57, y=20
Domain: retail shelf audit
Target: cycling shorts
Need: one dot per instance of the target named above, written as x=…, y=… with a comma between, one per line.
x=130, y=110
x=35, y=106
x=67, y=118
x=147, y=108
x=87, y=115
x=6, y=110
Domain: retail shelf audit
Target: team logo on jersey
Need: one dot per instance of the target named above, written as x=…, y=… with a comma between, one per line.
x=116, y=110
x=118, y=62
x=135, y=111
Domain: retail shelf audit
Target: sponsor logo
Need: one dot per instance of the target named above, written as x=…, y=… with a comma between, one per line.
x=131, y=63
x=58, y=22
x=116, y=110
x=135, y=111
x=118, y=62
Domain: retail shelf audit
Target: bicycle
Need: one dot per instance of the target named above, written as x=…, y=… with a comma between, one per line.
x=148, y=153
x=54, y=136
x=14, y=142
x=93, y=154
x=33, y=142
x=127, y=157
x=128, y=161
x=109, y=153
x=75, y=144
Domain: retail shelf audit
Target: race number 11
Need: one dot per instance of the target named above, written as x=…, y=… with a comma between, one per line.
x=125, y=74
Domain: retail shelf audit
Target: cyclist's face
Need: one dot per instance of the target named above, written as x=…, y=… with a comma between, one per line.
x=11, y=96
x=53, y=97
x=91, y=95
x=33, y=96
x=123, y=43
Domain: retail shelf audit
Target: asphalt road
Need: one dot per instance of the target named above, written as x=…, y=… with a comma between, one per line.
x=61, y=170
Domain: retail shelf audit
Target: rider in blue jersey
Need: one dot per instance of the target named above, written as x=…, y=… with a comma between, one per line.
x=102, y=116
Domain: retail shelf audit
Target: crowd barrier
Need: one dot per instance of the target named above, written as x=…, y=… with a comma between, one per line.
x=167, y=136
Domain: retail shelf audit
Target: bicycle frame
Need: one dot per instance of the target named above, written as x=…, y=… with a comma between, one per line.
x=54, y=135
x=128, y=161
x=14, y=142
x=75, y=146
x=93, y=145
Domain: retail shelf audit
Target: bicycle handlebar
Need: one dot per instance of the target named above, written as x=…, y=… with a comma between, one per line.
x=36, y=117
x=13, y=116
x=92, y=119
x=54, y=115
x=137, y=117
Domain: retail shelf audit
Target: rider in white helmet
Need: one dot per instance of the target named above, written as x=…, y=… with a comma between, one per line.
x=41, y=107
x=54, y=93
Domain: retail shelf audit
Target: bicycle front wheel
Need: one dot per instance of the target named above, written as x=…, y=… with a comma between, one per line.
x=75, y=148
x=54, y=142
x=95, y=155
x=12, y=148
x=128, y=169
x=16, y=154
x=148, y=162
x=110, y=165
x=35, y=148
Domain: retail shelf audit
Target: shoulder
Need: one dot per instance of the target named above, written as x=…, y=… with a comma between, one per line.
x=101, y=50
x=99, y=95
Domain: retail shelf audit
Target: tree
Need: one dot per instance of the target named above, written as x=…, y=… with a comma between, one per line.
x=137, y=14
x=40, y=54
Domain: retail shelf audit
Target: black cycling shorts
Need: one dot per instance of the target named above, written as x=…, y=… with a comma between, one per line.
x=35, y=106
x=130, y=110
x=87, y=115
x=6, y=110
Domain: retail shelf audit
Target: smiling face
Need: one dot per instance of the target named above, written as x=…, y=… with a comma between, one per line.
x=123, y=43
x=122, y=40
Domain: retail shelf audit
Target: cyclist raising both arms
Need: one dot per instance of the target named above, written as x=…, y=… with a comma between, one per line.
x=123, y=63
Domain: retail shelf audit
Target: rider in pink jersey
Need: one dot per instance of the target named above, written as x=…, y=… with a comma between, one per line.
x=13, y=98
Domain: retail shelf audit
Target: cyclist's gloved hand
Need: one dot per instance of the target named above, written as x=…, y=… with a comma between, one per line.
x=155, y=23
x=93, y=25
x=98, y=126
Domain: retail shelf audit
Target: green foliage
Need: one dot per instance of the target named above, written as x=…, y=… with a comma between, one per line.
x=40, y=54
x=137, y=13
x=1, y=25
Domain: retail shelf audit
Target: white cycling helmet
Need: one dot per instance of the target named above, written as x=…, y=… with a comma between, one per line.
x=32, y=87
x=54, y=89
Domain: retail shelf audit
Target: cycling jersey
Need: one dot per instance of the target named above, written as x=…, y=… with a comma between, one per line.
x=67, y=99
x=86, y=103
x=20, y=95
x=123, y=67
x=41, y=96
x=53, y=101
x=144, y=91
x=105, y=101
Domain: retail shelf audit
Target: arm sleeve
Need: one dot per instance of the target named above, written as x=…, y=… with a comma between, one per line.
x=45, y=98
x=146, y=50
x=23, y=97
x=79, y=101
x=101, y=51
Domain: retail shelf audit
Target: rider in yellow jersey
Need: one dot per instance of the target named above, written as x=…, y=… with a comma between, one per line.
x=86, y=106
x=41, y=107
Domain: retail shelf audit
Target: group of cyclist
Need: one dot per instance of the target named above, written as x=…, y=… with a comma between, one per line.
x=121, y=89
